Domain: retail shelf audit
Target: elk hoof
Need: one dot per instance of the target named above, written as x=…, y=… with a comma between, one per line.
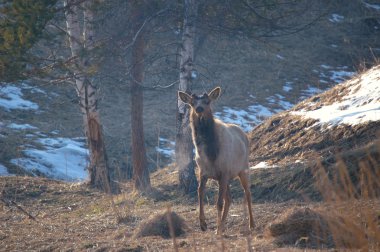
x=220, y=230
x=203, y=226
x=252, y=226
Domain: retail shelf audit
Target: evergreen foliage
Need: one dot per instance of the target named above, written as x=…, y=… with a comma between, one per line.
x=21, y=24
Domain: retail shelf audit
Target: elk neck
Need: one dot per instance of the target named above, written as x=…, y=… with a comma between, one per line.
x=204, y=134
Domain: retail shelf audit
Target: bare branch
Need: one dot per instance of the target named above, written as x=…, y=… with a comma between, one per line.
x=11, y=202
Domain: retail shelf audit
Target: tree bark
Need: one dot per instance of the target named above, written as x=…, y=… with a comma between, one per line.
x=184, y=149
x=139, y=159
x=86, y=91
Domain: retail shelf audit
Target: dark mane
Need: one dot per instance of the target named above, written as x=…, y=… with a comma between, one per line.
x=205, y=136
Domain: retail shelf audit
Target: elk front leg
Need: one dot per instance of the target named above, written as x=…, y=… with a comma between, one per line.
x=201, y=190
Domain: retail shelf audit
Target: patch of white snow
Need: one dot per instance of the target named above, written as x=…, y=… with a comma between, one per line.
x=336, y=18
x=246, y=119
x=371, y=6
x=32, y=89
x=280, y=101
x=4, y=171
x=335, y=74
x=310, y=91
x=288, y=86
x=11, y=98
x=21, y=126
x=166, y=147
x=360, y=105
x=262, y=165
x=61, y=158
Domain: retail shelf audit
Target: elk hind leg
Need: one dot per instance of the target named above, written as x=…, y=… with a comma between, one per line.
x=227, y=203
x=222, y=205
x=244, y=180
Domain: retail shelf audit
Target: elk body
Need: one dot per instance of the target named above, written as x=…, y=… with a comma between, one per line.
x=221, y=154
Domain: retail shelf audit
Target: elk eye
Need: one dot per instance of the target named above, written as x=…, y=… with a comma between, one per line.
x=207, y=102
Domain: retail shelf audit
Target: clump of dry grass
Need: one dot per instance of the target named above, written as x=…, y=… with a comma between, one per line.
x=354, y=180
x=349, y=219
x=305, y=227
x=165, y=224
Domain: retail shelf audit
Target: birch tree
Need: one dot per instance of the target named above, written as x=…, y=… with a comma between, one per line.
x=86, y=91
x=184, y=145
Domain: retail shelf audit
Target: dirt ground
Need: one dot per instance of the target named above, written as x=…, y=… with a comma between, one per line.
x=38, y=214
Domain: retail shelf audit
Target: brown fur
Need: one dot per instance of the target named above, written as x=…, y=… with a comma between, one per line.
x=204, y=135
x=221, y=154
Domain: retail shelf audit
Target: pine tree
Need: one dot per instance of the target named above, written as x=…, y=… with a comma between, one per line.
x=22, y=23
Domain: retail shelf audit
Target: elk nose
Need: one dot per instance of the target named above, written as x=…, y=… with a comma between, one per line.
x=199, y=109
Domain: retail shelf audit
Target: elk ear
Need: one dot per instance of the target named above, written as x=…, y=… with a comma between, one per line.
x=215, y=93
x=184, y=97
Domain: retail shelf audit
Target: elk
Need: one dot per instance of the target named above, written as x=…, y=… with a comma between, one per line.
x=221, y=154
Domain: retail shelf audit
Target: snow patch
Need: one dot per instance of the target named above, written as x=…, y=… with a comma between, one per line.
x=262, y=165
x=336, y=18
x=279, y=100
x=341, y=75
x=310, y=91
x=254, y=114
x=32, y=89
x=21, y=126
x=11, y=98
x=62, y=158
x=288, y=86
x=335, y=74
x=360, y=105
x=4, y=171
x=371, y=6
x=166, y=147
x=246, y=119
x=240, y=117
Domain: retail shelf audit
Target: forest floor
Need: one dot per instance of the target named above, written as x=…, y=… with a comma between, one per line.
x=38, y=214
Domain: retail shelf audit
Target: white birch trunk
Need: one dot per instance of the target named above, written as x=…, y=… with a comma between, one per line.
x=184, y=146
x=98, y=170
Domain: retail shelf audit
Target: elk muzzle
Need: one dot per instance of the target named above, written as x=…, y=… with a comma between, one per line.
x=199, y=109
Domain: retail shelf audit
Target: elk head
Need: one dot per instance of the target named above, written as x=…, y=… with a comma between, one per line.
x=200, y=103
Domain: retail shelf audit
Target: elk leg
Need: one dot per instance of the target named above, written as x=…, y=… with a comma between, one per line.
x=244, y=180
x=227, y=203
x=201, y=190
x=221, y=204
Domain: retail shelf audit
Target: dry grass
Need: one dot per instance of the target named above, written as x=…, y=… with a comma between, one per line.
x=74, y=217
x=355, y=183
x=304, y=227
x=167, y=224
x=285, y=138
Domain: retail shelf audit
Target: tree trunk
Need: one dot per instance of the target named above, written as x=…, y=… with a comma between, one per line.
x=98, y=168
x=184, y=149
x=139, y=159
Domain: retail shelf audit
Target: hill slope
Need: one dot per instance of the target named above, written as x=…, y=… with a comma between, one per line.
x=343, y=118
